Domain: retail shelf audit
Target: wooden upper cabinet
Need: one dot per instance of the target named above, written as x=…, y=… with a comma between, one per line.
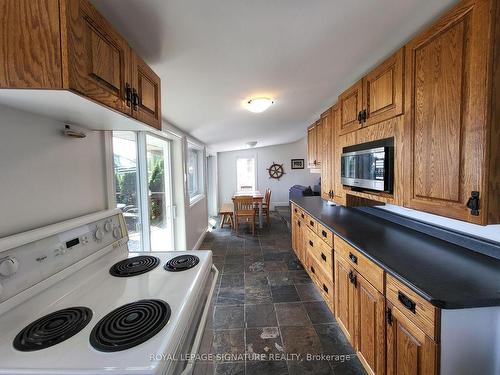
x=99, y=59
x=327, y=157
x=383, y=90
x=319, y=142
x=350, y=105
x=311, y=146
x=409, y=350
x=370, y=326
x=448, y=71
x=146, y=93
x=26, y=63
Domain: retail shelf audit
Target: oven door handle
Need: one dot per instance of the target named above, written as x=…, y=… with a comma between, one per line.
x=201, y=327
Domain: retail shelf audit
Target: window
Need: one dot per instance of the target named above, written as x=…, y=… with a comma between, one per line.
x=195, y=184
x=143, y=189
x=245, y=174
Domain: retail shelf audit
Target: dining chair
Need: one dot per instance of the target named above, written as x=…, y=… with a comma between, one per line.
x=266, y=205
x=244, y=211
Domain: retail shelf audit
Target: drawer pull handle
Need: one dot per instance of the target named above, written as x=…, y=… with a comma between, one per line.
x=295, y=210
x=311, y=223
x=353, y=258
x=353, y=278
x=323, y=233
x=325, y=288
x=298, y=223
x=311, y=243
x=312, y=269
x=323, y=256
x=407, y=302
x=302, y=215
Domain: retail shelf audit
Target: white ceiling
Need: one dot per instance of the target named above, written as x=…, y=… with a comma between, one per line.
x=212, y=55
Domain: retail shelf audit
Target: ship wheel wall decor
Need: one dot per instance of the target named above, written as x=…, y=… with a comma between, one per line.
x=276, y=171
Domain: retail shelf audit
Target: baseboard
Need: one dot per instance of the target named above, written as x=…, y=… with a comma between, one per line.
x=200, y=240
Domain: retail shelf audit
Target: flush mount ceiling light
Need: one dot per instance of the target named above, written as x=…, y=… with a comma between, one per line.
x=251, y=144
x=258, y=105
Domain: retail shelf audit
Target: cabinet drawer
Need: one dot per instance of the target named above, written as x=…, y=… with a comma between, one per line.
x=321, y=253
x=417, y=309
x=369, y=270
x=323, y=282
x=311, y=222
x=324, y=233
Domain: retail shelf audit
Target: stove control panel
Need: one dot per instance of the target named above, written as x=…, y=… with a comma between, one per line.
x=29, y=264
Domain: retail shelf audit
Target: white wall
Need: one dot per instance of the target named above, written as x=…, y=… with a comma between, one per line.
x=44, y=176
x=196, y=213
x=265, y=156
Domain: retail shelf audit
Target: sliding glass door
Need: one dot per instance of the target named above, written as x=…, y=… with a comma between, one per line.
x=144, y=190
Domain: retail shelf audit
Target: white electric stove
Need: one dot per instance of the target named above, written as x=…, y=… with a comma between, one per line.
x=73, y=300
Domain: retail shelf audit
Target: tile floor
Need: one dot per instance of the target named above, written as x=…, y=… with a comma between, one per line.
x=267, y=316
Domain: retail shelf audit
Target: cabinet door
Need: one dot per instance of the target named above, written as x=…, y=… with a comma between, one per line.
x=311, y=146
x=326, y=159
x=147, y=86
x=350, y=104
x=319, y=143
x=446, y=124
x=99, y=65
x=383, y=90
x=409, y=350
x=30, y=44
x=370, y=326
x=344, y=298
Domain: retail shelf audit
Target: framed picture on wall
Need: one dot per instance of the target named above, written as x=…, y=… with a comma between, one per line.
x=297, y=163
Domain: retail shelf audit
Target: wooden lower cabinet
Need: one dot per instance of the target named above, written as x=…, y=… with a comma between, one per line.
x=359, y=311
x=344, y=298
x=370, y=326
x=409, y=350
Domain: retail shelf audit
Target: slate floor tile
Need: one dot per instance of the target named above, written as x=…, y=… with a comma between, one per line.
x=291, y=314
x=261, y=315
x=294, y=264
x=256, y=279
x=229, y=344
x=266, y=368
x=254, y=267
x=203, y=368
x=300, y=277
x=279, y=278
x=275, y=266
x=232, y=280
x=230, y=368
x=226, y=317
x=308, y=292
x=234, y=268
x=286, y=293
x=258, y=294
x=313, y=367
x=319, y=312
x=301, y=341
x=333, y=339
x=352, y=366
x=231, y=296
x=263, y=343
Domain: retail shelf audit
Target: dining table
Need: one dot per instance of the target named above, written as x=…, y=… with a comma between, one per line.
x=257, y=198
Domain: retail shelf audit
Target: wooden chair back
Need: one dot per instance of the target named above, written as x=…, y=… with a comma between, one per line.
x=243, y=206
x=267, y=197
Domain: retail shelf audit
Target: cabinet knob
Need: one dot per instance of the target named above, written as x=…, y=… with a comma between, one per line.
x=353, y=258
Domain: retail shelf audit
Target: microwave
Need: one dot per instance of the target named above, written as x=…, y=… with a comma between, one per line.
x=369, y=166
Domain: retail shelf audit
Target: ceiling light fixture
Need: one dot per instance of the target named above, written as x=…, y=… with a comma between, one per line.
x=251, y=144
x=258, y=105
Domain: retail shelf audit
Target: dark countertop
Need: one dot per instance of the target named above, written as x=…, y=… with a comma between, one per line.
x=447, y=275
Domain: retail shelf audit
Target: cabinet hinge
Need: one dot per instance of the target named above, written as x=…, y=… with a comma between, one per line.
x=473, y=203
x=388, y=316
